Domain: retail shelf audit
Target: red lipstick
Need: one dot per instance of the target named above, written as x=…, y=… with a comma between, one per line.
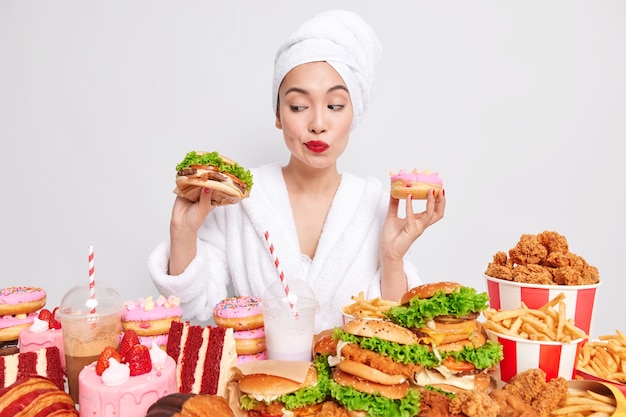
x=316, y=146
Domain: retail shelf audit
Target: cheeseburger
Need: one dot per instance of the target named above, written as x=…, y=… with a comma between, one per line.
x=372, y=367
x=266, y=395
x=228, y=180
x=443, y=316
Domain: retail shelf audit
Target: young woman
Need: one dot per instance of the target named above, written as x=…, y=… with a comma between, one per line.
x=338, y=232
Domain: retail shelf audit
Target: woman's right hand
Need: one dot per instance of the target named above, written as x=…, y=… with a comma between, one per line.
x=187, y=218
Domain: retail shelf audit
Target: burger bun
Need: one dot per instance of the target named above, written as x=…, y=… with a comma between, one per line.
x=428, y=290
x=394, y=392
x=272, y=385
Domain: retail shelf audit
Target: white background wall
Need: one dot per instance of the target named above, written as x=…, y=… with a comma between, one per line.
x=520, y=105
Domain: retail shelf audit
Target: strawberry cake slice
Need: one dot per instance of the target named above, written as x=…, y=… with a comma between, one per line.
x=127, y=381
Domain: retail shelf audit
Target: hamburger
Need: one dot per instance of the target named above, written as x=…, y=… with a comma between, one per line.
x=229, y=181
x=373, y=363
x=443, y=316
x=265, y=395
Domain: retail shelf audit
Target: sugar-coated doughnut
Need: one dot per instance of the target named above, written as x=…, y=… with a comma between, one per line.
x=148, y=317
x=239, y=313
x=21, y=300
x=249, y=358
x=11, y=326
x=250, y=341
x=415, y=183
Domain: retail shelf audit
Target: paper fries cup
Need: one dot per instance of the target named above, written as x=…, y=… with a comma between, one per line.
x=554, y=358
x=579, y=299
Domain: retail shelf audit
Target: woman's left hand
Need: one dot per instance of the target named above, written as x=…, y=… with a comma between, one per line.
x=399, y=233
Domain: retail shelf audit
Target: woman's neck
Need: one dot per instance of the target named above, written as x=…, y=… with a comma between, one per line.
x=304, y=179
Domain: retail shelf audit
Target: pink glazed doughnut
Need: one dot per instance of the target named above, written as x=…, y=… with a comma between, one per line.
x=11, y=326
x=148, y=317
x=239, y=313
x=21, y=300
x=253, y=357
x=250, y=341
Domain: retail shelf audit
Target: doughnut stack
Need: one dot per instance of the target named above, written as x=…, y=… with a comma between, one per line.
x=18, y=310
x=243, y=314
x=151, y=319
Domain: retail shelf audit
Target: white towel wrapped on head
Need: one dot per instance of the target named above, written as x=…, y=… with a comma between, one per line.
x=342, y=39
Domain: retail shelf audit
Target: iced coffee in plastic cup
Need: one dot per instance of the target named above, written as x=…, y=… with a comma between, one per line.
x=90, y=322
x=289, y=321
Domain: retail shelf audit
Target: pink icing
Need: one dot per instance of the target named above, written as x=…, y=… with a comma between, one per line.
x=252, y=357
x=130, y=399
x=243, y=306
x=144, y=310
x=250, y=334
x=159, y=339
x=417, y=176
x=10, y=321
x=14, y=295
x=30, y=342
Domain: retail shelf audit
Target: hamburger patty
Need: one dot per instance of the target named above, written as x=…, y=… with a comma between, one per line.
x=379, y=362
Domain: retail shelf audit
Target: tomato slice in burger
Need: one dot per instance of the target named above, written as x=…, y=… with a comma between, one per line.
x=457, y=366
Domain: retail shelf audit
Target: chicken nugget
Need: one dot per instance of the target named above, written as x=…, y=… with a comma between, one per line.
x=553, y=242
x=533, y=274
x=528, y=250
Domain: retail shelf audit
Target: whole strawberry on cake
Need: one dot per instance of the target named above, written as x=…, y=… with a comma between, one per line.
x=124, y=382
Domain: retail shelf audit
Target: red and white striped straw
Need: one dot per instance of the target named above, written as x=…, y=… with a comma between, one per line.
x=92, y=280
x=281, y=274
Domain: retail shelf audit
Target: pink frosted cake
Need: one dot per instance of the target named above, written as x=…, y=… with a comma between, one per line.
x=118, y=394
x=39, y=335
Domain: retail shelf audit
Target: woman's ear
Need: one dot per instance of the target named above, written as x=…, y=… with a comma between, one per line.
x=278, y=123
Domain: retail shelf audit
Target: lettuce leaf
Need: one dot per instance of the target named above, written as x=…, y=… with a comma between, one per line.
x=376, y=405
x=314, y=394
x=214, y=159
x=483, y=357
x=420, y=311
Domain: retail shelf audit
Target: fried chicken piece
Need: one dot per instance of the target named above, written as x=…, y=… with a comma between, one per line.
x=554, y=392
x=474, y=404
x=532, y=387
x=567, y=275
x=527, y=384
x=512, y=405
x=590, y=275
x=532, y=274
x=528, y=250
x=382, y=363
x=332, y=409
x=553, y=242
x=499, y=271
x=501, y=267
x=434, y=404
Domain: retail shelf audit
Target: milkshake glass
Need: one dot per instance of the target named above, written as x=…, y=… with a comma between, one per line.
x=90, y=322
x=289, y=321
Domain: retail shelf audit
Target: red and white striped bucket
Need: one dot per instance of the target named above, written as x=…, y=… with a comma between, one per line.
x=580, y=300
x=554, y=358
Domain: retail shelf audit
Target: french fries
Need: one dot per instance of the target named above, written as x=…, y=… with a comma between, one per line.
x=547, y=323
x=584, y=403
x=605, y=358
x=369, y=309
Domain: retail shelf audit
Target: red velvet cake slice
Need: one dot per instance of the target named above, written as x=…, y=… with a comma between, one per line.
x=206, y=357
x=43, y=362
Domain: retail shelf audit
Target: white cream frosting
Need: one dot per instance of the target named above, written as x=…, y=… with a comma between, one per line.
x=116, y=374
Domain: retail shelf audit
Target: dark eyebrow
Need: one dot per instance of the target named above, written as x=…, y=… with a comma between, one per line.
x=303, y=91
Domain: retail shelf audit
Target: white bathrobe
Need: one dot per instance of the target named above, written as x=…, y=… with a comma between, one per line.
x=232, y=249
